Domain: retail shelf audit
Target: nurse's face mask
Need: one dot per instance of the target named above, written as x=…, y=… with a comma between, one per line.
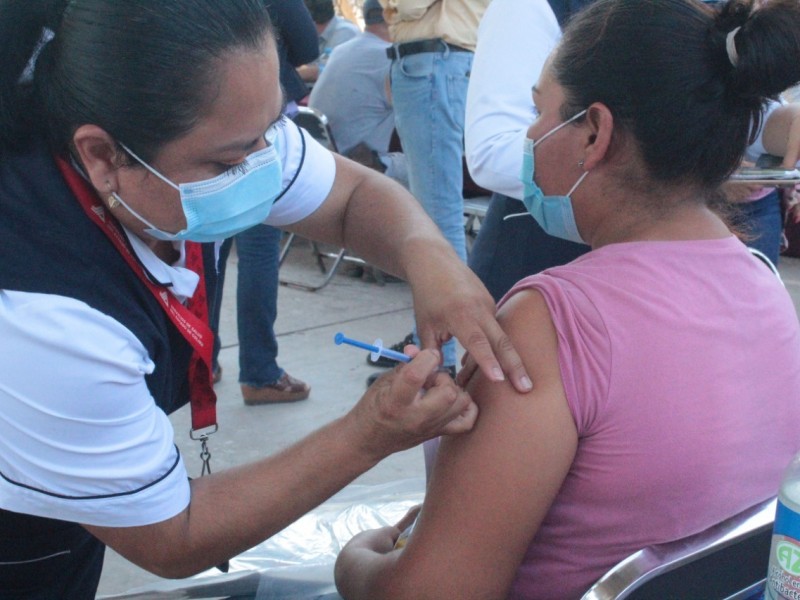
x=221, y=207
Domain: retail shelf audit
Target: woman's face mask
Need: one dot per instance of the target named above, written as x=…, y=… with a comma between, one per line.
x=553, y=213
x=221, y=207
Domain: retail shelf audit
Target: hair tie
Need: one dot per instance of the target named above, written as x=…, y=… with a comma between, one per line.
x=27, y=74
x=730, y=46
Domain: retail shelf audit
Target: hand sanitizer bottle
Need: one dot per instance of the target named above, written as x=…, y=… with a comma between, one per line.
x=783, y=574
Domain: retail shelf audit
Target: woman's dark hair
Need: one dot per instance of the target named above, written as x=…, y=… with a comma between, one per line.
x=664, y=70
x=143, y=70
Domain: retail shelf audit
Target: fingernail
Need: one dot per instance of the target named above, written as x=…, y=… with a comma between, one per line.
x=497, y=374
x=526, y=384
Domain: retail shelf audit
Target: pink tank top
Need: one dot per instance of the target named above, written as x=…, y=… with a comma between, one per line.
x=681, y=366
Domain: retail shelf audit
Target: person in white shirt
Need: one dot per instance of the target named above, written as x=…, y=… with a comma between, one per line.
x=514, y=39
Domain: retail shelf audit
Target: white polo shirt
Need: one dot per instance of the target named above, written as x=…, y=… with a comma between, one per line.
x=81, y=438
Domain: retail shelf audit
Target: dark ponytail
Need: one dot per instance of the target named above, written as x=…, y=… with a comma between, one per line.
x=664, y=70
x=767, y=45
x=143, y=70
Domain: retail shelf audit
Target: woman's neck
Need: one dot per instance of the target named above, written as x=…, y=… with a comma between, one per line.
x=668, y=217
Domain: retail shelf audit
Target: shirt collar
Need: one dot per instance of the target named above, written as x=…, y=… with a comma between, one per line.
x=182, y=282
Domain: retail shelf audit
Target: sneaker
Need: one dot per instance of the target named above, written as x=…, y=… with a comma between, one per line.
x=286, y=389
x=388, y=363
x=451, y=370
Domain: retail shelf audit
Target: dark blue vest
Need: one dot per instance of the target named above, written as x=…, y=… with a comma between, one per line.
x=49, y=246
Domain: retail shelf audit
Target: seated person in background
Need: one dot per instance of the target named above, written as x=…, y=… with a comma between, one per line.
x=352, y=93
x=332, y=30
x=762, y=211
x=665, y=361
x=758, y=210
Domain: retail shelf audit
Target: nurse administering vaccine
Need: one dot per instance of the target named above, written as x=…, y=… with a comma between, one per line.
x=114, y=164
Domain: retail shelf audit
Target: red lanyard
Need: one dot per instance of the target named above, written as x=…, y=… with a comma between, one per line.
x=191, y=320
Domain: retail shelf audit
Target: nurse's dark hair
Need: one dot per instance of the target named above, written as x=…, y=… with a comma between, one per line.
x=143, y=70
x=663, y=70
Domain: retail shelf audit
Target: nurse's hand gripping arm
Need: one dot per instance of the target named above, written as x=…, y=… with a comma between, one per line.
x=380, y=221
x=233, y=510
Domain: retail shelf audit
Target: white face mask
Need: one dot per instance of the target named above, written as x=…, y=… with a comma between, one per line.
x=221, y=207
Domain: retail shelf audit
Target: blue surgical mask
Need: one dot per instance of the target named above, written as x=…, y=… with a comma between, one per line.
x=221, y=207
x=553, y=213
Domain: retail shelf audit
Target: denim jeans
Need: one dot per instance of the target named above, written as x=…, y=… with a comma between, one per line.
x=761, y=223
x=258, y=249
x=429, y=92
x=506, y=251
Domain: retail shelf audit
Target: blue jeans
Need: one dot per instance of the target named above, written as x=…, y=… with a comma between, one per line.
x=429, y=92
x=506, y=251
x=258, y=249
x=761, y=223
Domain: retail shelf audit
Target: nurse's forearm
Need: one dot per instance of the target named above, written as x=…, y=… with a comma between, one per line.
x=235, y=509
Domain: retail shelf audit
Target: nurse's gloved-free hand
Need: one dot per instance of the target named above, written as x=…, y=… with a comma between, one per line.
x=411, y=404
x=450, y=301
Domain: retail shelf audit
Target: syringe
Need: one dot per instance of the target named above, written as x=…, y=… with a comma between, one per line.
x=375, y=348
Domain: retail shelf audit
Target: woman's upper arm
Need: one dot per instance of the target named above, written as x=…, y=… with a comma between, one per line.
x=491, y=489
x=781, y=133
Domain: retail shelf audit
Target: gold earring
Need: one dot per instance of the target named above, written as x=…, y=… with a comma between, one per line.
x=112, y=202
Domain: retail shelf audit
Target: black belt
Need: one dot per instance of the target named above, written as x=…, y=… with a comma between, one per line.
x=434, y=45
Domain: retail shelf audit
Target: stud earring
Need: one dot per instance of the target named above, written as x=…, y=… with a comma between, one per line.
x=580, y=164
x=112, y=201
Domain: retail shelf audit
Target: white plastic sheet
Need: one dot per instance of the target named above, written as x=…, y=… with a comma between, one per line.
x=297, y=563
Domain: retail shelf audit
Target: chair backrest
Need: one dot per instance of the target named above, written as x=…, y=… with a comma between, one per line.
x=315, y=123
x=724, y=562
x=767, y=262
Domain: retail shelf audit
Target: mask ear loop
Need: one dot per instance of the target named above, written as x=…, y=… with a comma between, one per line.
x=117, y=201
x=149, y=168
x=574, y=117
x=577, y=183
x=569, y=195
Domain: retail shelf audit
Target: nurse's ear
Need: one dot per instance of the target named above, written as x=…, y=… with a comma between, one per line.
x=99, y=155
